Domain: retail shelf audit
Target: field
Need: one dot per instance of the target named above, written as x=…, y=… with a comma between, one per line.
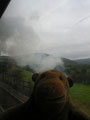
x=81, y=96
x=27, y=76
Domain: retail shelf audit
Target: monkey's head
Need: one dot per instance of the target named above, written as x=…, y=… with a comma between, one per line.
x=51, y=90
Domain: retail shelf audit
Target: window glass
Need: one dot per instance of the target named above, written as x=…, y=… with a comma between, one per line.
x=38, y=35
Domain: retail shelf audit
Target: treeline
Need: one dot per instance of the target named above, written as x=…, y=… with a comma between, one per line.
x=79, y=72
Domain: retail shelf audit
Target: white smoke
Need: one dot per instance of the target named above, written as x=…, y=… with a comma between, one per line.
x=40, y=62
x=22, y=43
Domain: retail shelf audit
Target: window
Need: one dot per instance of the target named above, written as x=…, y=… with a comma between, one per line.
x=38, y=35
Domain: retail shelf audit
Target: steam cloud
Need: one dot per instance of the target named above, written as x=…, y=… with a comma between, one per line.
x=41, y=62
x=21, y=42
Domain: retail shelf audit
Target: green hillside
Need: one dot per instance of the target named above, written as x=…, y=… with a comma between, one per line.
x=27, y=76
x=17, y=77
x=81, y=96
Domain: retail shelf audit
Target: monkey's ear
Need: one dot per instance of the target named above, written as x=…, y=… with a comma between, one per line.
x=35, y=76
x=71, y=82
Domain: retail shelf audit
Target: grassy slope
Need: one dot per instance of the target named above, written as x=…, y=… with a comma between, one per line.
x=28, y=83
x=81, y=96
x=27, y=76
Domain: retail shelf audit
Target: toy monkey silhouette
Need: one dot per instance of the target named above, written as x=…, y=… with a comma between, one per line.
x=50, y=100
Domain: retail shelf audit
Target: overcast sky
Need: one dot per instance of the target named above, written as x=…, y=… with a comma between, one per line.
x=57, y=27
